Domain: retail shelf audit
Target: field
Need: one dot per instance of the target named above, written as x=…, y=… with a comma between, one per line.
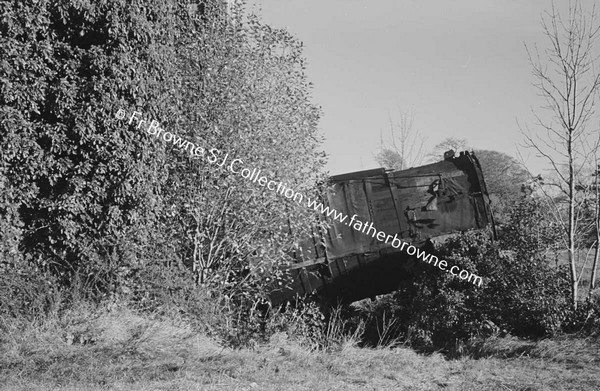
x=119, y=350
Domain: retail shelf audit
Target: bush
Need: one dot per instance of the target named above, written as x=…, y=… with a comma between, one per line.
x=107, y=210
x=27, y=293
x=316, y=327
x=522, y=293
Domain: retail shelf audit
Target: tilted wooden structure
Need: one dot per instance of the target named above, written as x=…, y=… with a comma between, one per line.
x=419, y=204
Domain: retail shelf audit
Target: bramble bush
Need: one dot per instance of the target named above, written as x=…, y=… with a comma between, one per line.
x=522, y=294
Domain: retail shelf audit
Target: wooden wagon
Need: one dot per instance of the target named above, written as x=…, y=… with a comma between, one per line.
x=419, y=205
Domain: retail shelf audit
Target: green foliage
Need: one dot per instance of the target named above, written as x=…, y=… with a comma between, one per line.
x=84, y=182
x=316, y=327
x=531, y=230
x=390, y=159
x=504, y=176
x=522, y=294
x=26, y=293
x=449, y=143
x=108, y=210
x=302, y=320
x=246, y=94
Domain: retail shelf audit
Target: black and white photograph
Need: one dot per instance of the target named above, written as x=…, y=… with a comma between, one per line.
x=299, y=195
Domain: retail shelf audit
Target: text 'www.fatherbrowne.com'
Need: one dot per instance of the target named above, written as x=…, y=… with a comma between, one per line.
x=236, y=166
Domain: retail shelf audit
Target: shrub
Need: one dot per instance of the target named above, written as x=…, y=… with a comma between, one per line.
x=522, y=293
x=25, y=292
x=316, y=326
x=101, y=205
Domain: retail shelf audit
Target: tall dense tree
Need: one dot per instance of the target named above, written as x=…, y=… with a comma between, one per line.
x=97, y=201
x=504, y=177
x=253, y=101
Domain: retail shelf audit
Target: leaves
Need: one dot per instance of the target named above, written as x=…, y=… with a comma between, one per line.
x=99, y=203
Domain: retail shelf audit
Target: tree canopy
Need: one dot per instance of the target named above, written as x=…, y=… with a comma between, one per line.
x=95, y=201
x=504, y=177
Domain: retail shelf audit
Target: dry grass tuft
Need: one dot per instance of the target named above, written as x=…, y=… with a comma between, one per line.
x=560, y=349
x=101, y=345
x=117, y=349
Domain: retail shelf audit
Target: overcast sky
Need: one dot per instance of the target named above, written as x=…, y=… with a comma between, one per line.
x=460, y=66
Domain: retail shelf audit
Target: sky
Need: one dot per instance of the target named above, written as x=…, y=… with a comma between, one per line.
x=458, y=66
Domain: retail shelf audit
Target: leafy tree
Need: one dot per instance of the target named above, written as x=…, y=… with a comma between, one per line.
x=390, y=159
x=105, y=206
x=252, y=99
x=449, y=143
x=504, y=177
x=85, y=183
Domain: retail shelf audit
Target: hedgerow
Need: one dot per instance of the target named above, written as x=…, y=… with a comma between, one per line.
x=96, y=207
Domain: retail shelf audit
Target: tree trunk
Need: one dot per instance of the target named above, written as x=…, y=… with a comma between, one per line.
x=569, y=82
x=572, y=225
x=597, y=218
x=595, y=265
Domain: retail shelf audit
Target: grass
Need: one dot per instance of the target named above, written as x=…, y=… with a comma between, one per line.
x=117, y=349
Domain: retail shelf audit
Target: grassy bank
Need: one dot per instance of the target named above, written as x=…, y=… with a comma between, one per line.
x=117, y=349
